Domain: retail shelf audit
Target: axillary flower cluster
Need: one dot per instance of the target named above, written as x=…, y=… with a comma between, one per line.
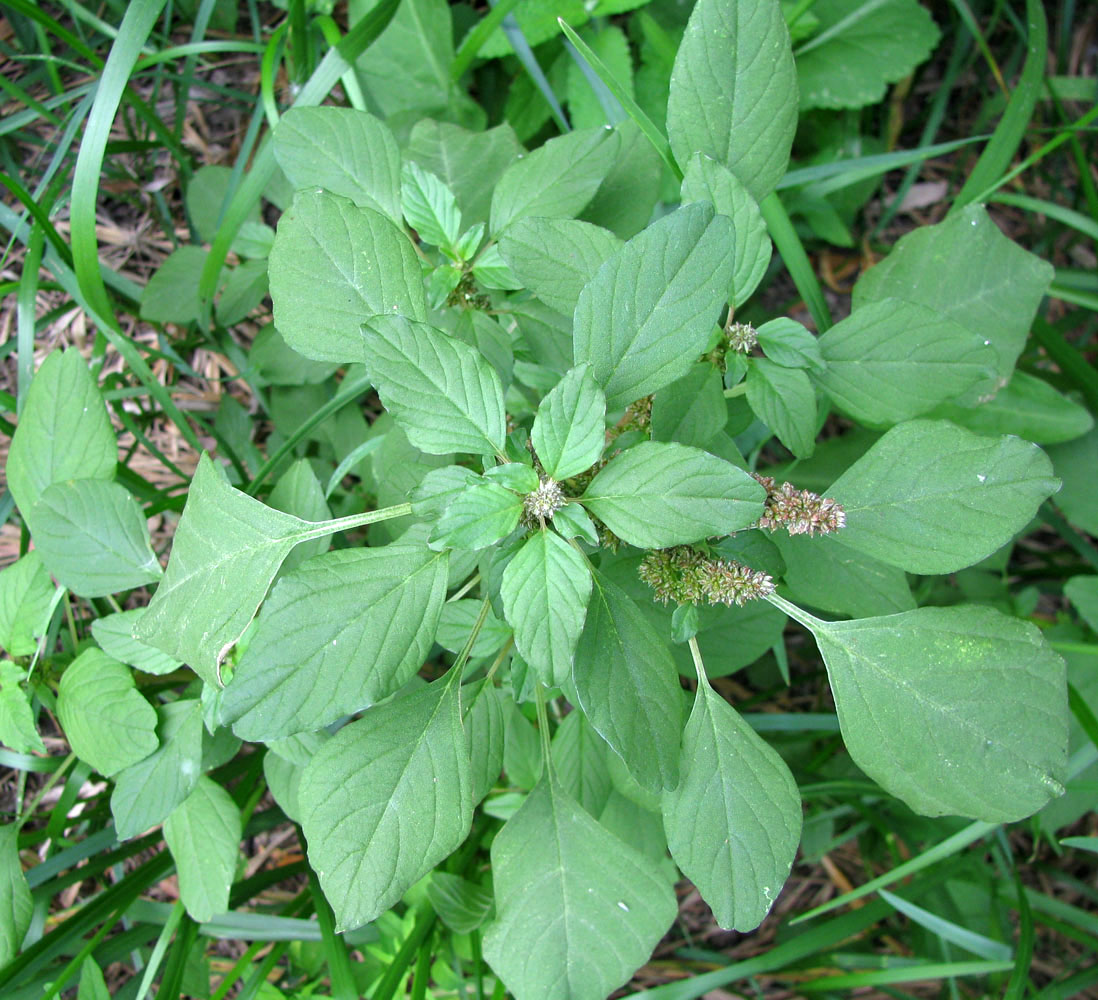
x=687, y=575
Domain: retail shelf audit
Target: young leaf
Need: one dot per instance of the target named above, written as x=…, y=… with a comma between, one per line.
x=479, y=515
x=734, y=821
x=332, y=265
x=893, y=360
x=26, y=596
x=692, y=410
x=723, y=103
x=430, y=207
x=108, y=723
x=343, y=631
x=570, y=426
x=441, y=391
x=786, y=342
x=114, y=633
x=707, y=180
x=628, y=687
x=16, y=905
x=933, y=498
x=348, y=152
x=577, y=910
x=386, y=799
x=556, y=180
x=655, y=495
x=92, y=536
x=545, y=591
x=784, y=400
x=648, y=313
x=17, y=729
x=979, y=692
x=64, y=432
x=203, y=834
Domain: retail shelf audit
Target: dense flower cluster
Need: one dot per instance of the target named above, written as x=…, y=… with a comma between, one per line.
x=800, y=512
x=741, y=337
x=685, y=575
x=542, y=503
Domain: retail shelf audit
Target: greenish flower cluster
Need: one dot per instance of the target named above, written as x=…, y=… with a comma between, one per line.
x=800, y=512
x=687, y=576
x=541, y=504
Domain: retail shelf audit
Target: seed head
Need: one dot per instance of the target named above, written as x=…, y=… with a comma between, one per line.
x=686, y=576
x=800, y=512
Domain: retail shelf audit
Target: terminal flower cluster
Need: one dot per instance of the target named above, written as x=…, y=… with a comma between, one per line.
x=541, y=504
x=686, y=576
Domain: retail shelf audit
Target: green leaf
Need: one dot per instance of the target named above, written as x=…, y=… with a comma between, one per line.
x=786, y=342
x=386, y=799
x=555, y=181
x=555, y=258
x=343, y=631
x=570, y=426
x=278, y=363
x=171, y=295
x=625, y=200
x=481, y=514
x=691, y=410
x=203, y=834
x=460, y=904
x=92, y=984
x=979, y=693
x=482, y=706
x=441, y=391
x=967, y=270
x=648, y=313
x=334, y=264
x=707, y=180
x=1082, y=591
x=514, y=475
x=491, y=271
x=545, y=590
x=734, y=821
x=1075, y=463
x=892, y=360
x=92, y=536
x=933, y=498
x=145, y=793
x=456, y=624
x=579, y=763
x=245, y=288
x=226, y=551
x=628, y=687
x=860, y=48
x=429, y=207
x=115, y=634
x=577, y=910
x=656, y=495
x=734, y=91
x=16, y=905
x=63, y=433
x=347, y=152
x=16, y=718
x=298, y=492
x=784, y=400
x=205, y=198
x=108, y=723
x=571, y=521
x=26, y=598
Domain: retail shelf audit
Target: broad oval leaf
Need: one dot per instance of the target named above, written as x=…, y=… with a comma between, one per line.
x=979, y=693
x=691, y=410
x=577, y=909
x=26, y=598
x=115, y=634
x=343, y=631
x=479, y=515
x=108, y=723
x=545, y=590
x=734, y=91
x=441, y=391
x=570, y=426
x=784, y=400
x=930, y=497
x=648, y=313
x=658, y=494
x=332, y=265
x=386, y=799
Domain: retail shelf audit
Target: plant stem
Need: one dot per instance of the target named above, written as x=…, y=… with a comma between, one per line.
x=797, y=614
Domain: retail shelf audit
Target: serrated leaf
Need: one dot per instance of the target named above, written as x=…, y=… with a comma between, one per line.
x=577, y=910
x=16, y=718
x=893, y=360
x=332, y=265
x=784, y=400
x=707, y=180
x=555, y=258
x=64, y=432
x=967, y=270
x=628, y=687
x=570, y=426
x=980, y=693
x=203, y=834
x=429, y=207
x=92, y=536
x=16, y=905
x=734, y=821
x=109, y=725
x=555, y=181
x=722, y=103
x=692, y=410
x=786, y=342
x=545, y=590
x=657, y=494
x=479, y=515
x=145, y=793
x=345, y=151
x=933, y=498
x=343, y=631
x=26, y=597
x=862, y=48
x=440, y=390
x=579, y=763
x=648, y=313
x=386, y=799
x=226, y=551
